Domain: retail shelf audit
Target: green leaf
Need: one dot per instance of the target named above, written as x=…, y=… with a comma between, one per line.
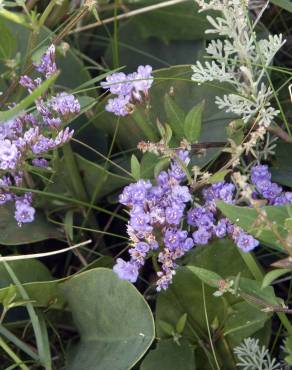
x=14, y=17
x=7, y=42
x=93, y=175
x=235, y=131
x=257, y=295
x=11, y=234
x=26, y=271
x=29, y=100
x=68, y=221
x=185, y=295
x=114, y=321
x=288, y=344
x=288, y=359
x=168, y=134
x=175, y=115
x=175, y=22
x=169, y=356
x=135, y=167
x=285, y=4
x=218, y=176
x=281, y=169
x=148, y=164
x=193, y=122
x=243, y=321
x=161, y=165
x=180, y=325
x=38, y=283
x=288, y=224
x=273, y=275
x=166, y=327
x=209, y=277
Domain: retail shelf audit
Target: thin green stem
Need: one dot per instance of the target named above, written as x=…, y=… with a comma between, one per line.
x=19, y=343
x=12, y=354
x=208, y=327
x=43, y=351
x=46, y=13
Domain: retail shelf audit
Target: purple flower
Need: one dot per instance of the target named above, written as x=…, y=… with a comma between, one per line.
x=119, y=106
x=65, y=104
x=47, y=65
x=141, y=82
x=28, y=83
x=180, y=194
x=200, y=217
x=10, y=129
x=138, y=252
x=24, y=213
x=202, y=236
x=135, y=193
x=40, y=162
x=221, y=191
x=260, y=173
x=8, y=155
x=220, y=229
x=174, y=214
x=140, y=220
x=118, y=84
x=246, y=242
x=128, y=88
x=126, y=270
x=188, y=244
x=163, y=179
x=268, y=190
x=172, y=238
x=42, y=145
x=63, y=137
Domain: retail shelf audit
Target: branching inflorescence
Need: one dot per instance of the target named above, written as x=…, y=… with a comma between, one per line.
x=167, y=221
x=26, y=139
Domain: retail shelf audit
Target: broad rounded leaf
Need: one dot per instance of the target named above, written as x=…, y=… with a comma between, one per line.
x=114, y=321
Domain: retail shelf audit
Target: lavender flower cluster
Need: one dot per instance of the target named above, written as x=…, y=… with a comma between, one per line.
x=166, y=222
x=265, y=188
x=130, y=89
x=26, y=139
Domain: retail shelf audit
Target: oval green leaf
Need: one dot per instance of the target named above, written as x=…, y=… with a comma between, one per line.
x=114, y=321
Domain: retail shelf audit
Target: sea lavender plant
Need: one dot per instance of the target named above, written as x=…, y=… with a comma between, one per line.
x=252, y=356
x=130, y=89
x=240, y=60
x=27, y=138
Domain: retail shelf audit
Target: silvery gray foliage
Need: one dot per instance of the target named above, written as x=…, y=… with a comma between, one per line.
x=240, y=60
x=252, y=356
